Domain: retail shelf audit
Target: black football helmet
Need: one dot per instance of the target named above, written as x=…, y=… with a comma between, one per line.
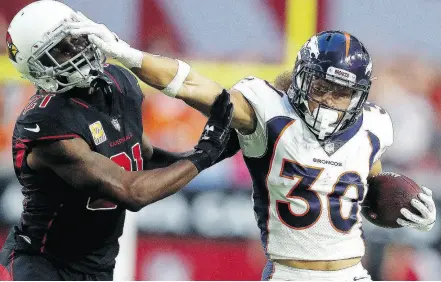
x=340, y=58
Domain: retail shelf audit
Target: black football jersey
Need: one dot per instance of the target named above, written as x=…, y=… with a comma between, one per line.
x=58, y=220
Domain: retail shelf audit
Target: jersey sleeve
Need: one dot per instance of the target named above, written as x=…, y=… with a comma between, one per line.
x=52, y=122
x=260, y=96
x=380, y=129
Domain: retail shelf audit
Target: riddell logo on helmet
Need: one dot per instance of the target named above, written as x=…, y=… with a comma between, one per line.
x=339, y=72
x=12, y=49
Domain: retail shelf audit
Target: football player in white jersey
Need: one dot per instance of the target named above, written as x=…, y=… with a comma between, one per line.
x=310, y=148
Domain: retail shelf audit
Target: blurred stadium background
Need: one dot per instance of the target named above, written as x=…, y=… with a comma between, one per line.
x=207, y=231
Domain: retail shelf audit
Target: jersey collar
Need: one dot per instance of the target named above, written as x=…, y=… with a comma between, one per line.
x=331, y=144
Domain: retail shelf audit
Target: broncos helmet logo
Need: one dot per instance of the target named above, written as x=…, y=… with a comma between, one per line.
x=12, y=49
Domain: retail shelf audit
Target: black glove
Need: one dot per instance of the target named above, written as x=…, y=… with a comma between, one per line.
x=232, y=147
x=216, y=133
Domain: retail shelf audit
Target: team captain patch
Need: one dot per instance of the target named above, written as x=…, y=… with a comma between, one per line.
x=98, y=134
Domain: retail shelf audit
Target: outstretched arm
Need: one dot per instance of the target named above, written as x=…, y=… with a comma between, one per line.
x=96, y=175
x=196, y=90
x=155, y=157
x=173, y=77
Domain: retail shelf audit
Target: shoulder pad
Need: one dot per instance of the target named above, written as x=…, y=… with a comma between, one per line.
x=261, y=94
x=260, y=87
x=47, y=117
x=124, y=82
x=378, y=122
x=267, y=103
x=41, y=105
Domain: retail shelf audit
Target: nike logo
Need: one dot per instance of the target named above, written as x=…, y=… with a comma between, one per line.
x=26, y=238
x=36, y=129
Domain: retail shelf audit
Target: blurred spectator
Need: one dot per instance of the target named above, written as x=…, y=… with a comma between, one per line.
x=409, y=264
x=402, y=89
x=171, y=124
x=435, y=96
x=13, y=98
x=398, y=264
x=3, y=30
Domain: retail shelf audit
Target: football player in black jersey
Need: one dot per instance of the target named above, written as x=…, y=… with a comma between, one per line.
x=70, y=144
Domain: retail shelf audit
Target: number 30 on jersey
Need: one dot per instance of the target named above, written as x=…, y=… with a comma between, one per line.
x=307, y=176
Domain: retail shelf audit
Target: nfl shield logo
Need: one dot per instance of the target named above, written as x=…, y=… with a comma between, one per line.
x=116, y=124
x=329, y=148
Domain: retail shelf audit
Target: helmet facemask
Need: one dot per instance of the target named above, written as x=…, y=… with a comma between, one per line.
x=325, y=120
x=62, y=62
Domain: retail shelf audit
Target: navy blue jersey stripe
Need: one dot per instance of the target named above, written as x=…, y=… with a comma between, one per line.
x=375, y=143
x=259, y=169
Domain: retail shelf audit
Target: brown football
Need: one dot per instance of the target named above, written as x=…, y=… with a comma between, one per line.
x=388, y=192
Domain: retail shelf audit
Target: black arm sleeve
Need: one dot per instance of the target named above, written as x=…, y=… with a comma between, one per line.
x=161, y=158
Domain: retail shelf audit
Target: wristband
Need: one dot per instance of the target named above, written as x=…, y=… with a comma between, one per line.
x=200, y=159
x=173, y=87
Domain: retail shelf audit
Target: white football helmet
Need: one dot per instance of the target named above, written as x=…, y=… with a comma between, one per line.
x=37, y=33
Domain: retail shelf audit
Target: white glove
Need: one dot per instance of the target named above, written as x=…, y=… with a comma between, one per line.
x=106, y=41
x=426, y=206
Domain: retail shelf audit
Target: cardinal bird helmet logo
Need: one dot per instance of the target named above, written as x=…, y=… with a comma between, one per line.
x=12, y=49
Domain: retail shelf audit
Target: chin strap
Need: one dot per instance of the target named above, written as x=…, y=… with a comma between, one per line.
x=101, y=81
x=325, y=117
x=326, y=120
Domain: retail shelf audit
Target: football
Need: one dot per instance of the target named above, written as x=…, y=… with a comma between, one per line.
x=389, y=192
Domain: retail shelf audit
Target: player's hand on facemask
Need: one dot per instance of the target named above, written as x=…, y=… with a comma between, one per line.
x=214, y=138
x=426, y=206
x=107, y=41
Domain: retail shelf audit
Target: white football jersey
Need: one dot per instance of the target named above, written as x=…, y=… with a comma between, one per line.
x=307, y=195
